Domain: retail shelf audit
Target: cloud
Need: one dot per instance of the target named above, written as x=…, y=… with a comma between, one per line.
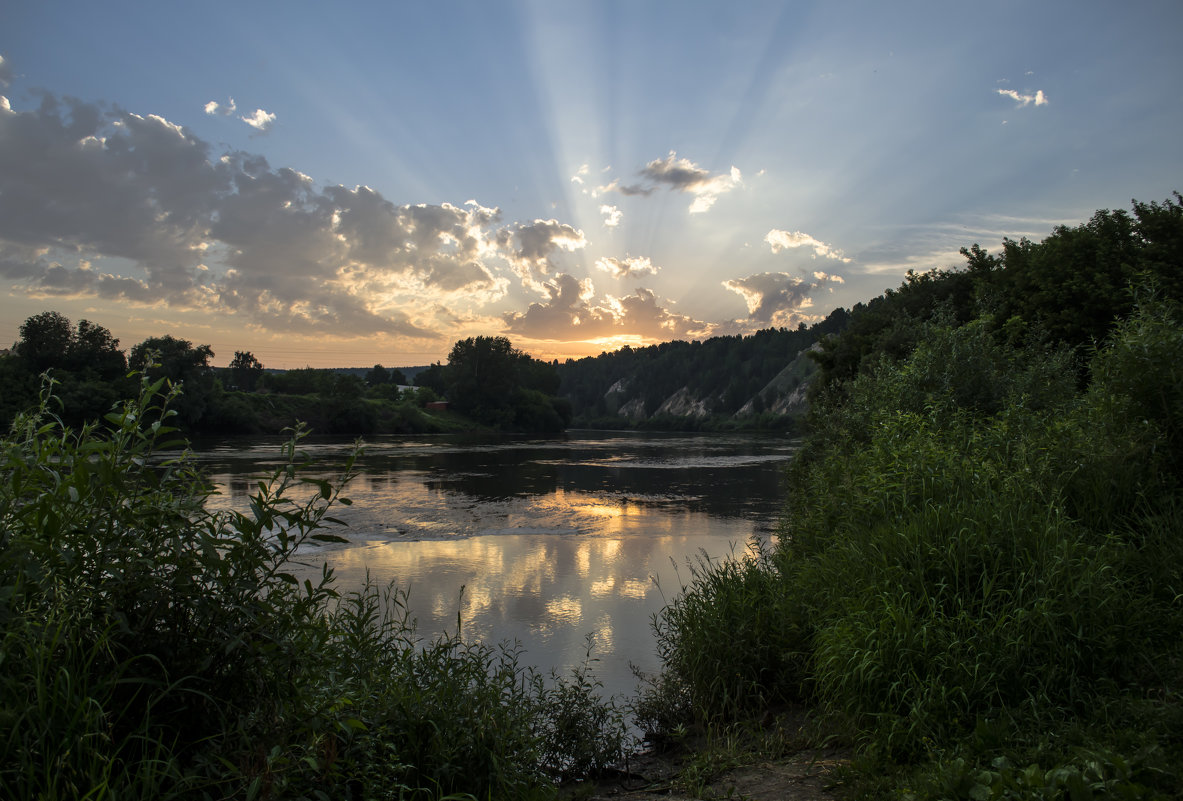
x=612, y=215
x=778, y=298
x=629, y=267
x=97, y=202
x=5, y=72
x=782, y=240
x=679, y=175
x=261, y=120
x=227, y=110
x=577, y=178
x=569, y=315
x=531, y=247
x=1039, y=98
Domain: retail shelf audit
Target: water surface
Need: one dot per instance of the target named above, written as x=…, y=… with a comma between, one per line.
x=542, y=541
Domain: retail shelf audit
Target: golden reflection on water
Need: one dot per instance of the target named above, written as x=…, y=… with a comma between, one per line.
x=585, y=548
x=548, y=591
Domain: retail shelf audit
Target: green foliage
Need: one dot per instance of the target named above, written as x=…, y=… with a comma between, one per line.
x=496, y=385
x=722, y=644
x=153, y=648
x=1069, y=289
x=970, y=538
x=86, y=361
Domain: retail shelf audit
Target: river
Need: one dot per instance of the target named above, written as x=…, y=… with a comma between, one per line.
x=542, y=541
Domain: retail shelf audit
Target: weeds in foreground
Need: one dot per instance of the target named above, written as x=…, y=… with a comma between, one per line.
x=153, y=648
x=972, y=546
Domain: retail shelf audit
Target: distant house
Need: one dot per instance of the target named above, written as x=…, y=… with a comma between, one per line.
x=437, y=406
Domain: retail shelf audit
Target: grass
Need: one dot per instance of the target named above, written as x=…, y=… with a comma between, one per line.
x=978, y=576
x=153, y=648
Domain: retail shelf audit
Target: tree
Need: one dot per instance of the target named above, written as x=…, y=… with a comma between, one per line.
x=245, y=370
x=433, y=378
x=377, y=376
x=180, y=362
x=497, y=385
x=45, y=341
x=94, y=351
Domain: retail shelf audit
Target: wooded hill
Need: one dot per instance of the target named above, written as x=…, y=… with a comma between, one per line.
x=1065, y=291
x=733, y=381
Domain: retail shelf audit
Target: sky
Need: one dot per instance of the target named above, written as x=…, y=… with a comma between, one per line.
x=363, y=183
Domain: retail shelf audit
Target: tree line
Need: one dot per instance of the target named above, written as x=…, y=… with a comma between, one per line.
x=487, y=383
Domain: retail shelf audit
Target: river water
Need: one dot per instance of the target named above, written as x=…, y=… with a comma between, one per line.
x=539, y=541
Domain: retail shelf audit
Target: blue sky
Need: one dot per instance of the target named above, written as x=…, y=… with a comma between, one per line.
x=357, y=183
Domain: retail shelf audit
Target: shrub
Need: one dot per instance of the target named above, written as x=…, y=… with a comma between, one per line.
x=154, y=648
x=969, y=540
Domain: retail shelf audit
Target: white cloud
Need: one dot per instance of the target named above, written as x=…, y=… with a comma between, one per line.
x=1039, y=98
x=577, y=178
x=261, y=120
x=213, y=107
x=628, y=267
x=782, y=240
x=612, y=215
x=5, y=72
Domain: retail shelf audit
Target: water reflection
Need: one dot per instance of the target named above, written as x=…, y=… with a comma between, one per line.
x=547, y=591
x=550, y=539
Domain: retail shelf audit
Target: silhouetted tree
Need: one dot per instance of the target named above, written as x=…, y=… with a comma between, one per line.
x=377, y=376
x=245, y=370
x=45, y=341
x=179, y=361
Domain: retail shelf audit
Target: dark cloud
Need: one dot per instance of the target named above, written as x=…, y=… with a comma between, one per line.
x=778, y=298
x=679, y=175
x=83, y=179
x=675, y=173
x=530, y=247
x=81, y=183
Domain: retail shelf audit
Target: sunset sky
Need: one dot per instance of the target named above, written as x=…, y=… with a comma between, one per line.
x=344, y=184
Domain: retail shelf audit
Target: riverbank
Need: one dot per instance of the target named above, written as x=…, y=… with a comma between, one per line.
x=782, y=757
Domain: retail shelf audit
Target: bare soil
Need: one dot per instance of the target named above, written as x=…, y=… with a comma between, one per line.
x=793, y=770
x=804, y=776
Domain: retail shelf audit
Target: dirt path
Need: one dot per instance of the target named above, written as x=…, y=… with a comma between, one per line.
x=804, y=776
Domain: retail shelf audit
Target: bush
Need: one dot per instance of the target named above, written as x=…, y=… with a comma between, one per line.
x=154, y=648
x=968, y=538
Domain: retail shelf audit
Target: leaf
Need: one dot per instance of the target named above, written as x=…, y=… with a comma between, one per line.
x=328, y=538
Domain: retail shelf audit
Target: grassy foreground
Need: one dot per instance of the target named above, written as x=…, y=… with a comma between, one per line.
x=150, y=648
x=979, y=581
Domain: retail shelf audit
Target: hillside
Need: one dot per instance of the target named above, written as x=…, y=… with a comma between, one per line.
x=758, y=380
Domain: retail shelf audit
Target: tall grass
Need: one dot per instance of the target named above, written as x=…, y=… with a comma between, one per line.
x=153, y=648
x=971, y=545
